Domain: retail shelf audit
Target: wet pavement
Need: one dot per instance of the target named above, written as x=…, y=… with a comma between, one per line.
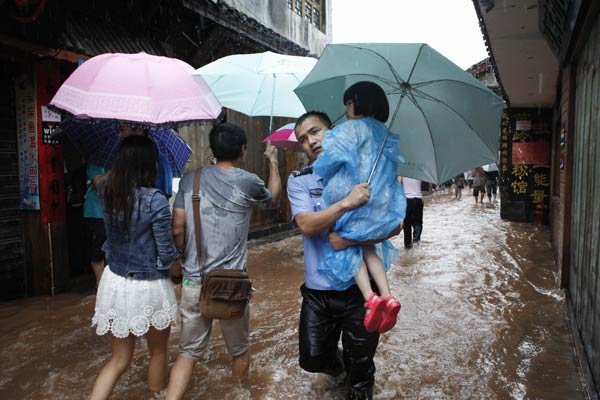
x=482, y=318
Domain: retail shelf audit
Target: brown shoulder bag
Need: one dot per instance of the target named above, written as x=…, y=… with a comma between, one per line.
x=224, y=293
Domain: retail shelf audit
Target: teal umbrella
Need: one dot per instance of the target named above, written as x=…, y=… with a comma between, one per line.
x=447, y=120
x=259, y=84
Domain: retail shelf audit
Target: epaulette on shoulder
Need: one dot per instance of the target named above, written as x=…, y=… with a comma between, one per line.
x=304, y=171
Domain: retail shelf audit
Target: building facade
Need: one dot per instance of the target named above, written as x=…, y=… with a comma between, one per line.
x=546, y=56
x=42, y=42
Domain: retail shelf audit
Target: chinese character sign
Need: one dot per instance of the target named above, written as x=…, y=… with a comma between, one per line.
x=504, y=139
x=525, y=156
x=50, y=121
x=27, y=143
x=531, y=153
x=51, y=164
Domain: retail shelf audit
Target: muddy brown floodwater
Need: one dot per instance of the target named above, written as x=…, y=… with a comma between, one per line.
x=482, y=318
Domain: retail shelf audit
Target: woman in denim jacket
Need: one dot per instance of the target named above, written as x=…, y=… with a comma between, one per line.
x=135, y=296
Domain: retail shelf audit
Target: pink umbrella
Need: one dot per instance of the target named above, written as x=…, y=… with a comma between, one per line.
x=284, y=138
x=139, y=88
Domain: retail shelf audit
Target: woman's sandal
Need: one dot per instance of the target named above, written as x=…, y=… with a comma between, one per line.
x=375, y=305
x=390, y=316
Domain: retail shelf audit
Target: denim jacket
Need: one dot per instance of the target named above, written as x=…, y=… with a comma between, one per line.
x=146, y=250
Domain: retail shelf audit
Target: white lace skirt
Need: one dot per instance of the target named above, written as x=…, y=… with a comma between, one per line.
x=125, y=306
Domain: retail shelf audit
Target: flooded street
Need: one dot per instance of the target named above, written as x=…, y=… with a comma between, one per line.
x=482, y=318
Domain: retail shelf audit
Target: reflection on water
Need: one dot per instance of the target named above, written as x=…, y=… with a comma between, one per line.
x=482, y=318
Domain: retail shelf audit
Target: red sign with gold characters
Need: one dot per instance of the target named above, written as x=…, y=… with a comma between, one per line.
x=51, y=164
x=525, y=159
x=531, y=153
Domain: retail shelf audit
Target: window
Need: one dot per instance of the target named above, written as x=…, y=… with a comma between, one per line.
x=317, y=18
x=315, y=8
x=298, y=8
x=313, y=11
x=308, y=11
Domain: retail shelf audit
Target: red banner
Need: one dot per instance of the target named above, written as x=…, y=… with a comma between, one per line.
x=51, y=165
x=537, y=153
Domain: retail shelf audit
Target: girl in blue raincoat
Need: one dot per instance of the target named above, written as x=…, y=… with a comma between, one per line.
x=350, y=150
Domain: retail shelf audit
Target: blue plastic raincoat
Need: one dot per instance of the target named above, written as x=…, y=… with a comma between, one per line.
x=349, y=154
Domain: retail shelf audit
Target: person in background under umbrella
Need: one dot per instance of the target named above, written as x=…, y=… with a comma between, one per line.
x=135, y=296
x=491, y=182
x=469, y=177
x=459, y=182
x=413, y=223
x=478, y=184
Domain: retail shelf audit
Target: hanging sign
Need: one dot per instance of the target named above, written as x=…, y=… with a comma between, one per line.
x=27, y=143
x=52, y=169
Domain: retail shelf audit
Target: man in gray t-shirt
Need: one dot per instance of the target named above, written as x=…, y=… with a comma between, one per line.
x=227, y=195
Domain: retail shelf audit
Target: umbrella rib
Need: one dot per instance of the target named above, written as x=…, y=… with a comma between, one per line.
x=416, y=85
x=376, y=78
x=258, y=95
x=397, y=108
x=415, y=63
x=399, y=80
x=411, y=97
x=428, y=97
x=423, y=95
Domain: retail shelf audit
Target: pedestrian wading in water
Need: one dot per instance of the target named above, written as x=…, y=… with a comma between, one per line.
x=349, y=154
x=327, y=313
x=227, y=196
x=135, y=297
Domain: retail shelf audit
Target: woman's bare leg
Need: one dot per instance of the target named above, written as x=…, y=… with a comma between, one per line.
x=157, y=367
x=122, y=354
x=98, y=268
x=376, y=269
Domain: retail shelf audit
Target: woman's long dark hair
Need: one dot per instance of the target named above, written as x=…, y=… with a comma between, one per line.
x=135, y=166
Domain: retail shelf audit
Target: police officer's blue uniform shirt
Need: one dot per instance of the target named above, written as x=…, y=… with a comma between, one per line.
x=304, y=192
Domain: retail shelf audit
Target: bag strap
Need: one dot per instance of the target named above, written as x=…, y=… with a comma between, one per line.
x=196, y=209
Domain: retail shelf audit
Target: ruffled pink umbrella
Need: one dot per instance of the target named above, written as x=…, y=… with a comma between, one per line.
x=284, y=138
x=138, y=88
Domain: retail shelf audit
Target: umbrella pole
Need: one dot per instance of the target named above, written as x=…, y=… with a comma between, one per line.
x=378, y=156
x=272, y=102
x=385, y=140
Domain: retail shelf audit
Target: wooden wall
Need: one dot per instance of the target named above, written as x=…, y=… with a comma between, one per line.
x=257, y=128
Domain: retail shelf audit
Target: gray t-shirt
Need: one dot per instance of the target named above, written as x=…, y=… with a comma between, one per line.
x=226, y=197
